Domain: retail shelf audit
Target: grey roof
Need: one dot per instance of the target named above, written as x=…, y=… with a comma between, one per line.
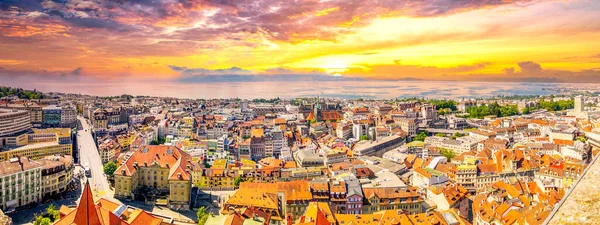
x=353, y=186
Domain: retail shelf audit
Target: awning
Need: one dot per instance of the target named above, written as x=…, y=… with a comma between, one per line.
x=162, y=201
x=12, y=203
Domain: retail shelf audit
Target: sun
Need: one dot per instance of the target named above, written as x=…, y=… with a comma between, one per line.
x=335, y=66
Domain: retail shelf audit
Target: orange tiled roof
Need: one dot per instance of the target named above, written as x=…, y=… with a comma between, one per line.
x=100, y=213
x=390, y=193
x=563, y=142
x=179, y=162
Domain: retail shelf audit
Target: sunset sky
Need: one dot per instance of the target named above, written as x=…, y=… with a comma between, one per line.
x=485, y=40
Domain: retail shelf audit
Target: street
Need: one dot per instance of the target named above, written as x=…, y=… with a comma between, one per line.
x=89, y=156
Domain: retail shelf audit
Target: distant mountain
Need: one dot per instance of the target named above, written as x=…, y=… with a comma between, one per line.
x=263, y=78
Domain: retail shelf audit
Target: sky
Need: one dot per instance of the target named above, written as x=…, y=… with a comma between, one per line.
x=249, y=40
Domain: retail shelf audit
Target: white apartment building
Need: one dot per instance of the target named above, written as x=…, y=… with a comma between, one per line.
x=20, y=182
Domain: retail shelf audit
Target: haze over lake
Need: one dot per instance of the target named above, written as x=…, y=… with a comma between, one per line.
x=333, y=89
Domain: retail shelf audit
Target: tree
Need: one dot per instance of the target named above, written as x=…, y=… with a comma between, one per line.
x=158, y=141
x=237, y=181
x=440, y=135
x=456, y=135
x=444, y=104
x=53, y=214
x=109, y=168
x=364, y=137
x=421, y=136
x=449, y=154
x=202, y=216
x=40, y=220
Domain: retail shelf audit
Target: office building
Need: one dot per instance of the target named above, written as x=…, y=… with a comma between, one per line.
x=13, y=121
x=51, y=116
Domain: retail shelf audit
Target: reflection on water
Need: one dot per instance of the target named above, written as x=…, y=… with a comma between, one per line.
x=334, y=89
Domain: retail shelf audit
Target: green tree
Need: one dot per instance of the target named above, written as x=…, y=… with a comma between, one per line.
x=53, y=214
x=237, y=181
x=444, y=104
x=202, y=216
x=40, y=220
x=158, y=141
x=440, y=135
x=449, y=154
x=109, y=168
x=421, y=136
x=456, y=135
x=492, y=109
x=364, y=137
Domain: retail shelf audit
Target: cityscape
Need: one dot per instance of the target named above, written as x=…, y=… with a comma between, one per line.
x=299, y=112
x=82, y=159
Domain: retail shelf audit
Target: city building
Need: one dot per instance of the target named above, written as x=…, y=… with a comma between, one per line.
x=13, y=121
x=20, y=182
x=38, y=150
x=105, y=212
x=272, y=199
x=57, y=174
x=408, y=125
x=466, y=174
x=35, y=111
x=109, y=150
x=308, y=158
x=164, y=170
x=40, y=143
x=51, y=116
x=68, y=116
x=378, y=147
x=405, y=199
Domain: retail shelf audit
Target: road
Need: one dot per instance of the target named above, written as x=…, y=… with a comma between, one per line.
x=89, y=156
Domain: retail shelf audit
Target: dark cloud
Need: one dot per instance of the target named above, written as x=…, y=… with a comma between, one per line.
x=24, y=5
x=96, y=23
x=263, y=78
x=208, y=72
x=77, y=71
x=275, y=19
x=530, y=67
x=509, y=71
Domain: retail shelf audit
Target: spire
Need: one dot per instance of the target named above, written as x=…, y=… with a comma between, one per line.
x=86, y=210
